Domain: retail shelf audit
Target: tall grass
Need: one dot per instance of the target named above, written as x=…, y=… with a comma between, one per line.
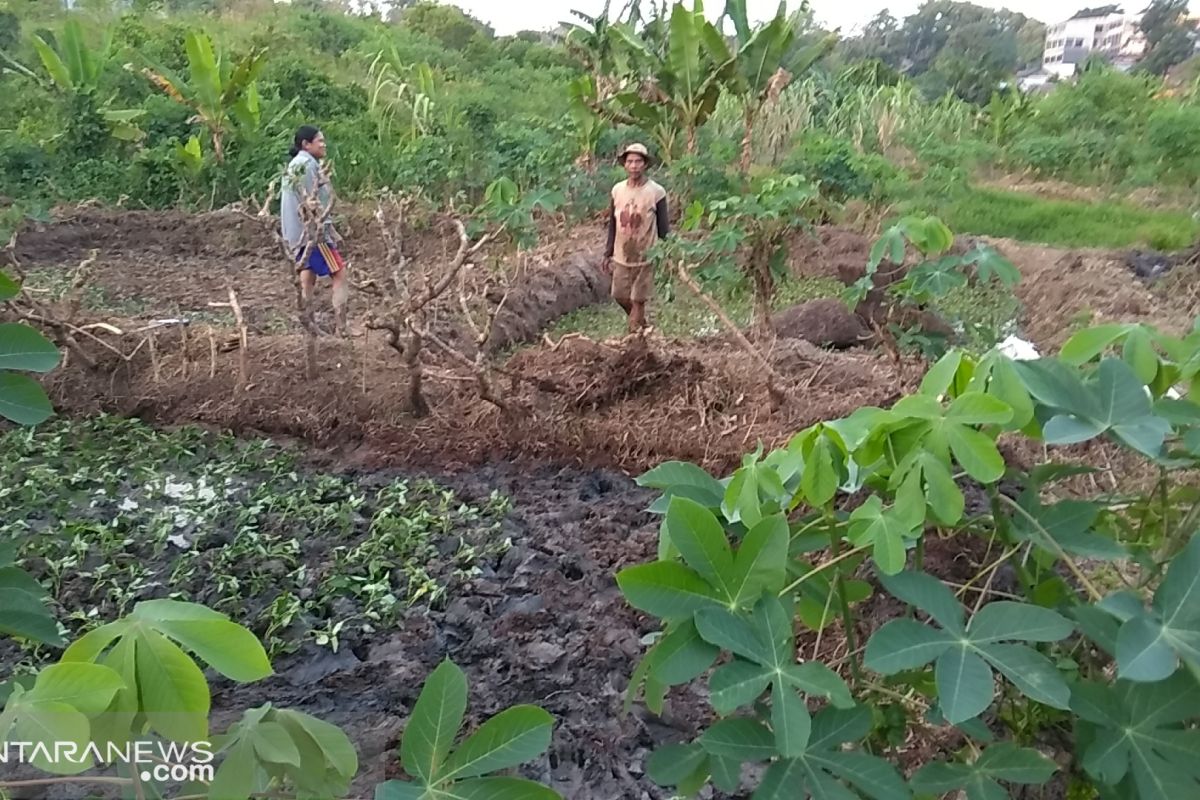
x=1067, y=223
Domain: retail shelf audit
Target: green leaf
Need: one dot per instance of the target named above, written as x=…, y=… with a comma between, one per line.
x=681, y=655
x=964, y=684
x=732, y=632
x=740, y=739
x=790, y=720
x=871, y=524
x=904, y=644
x=22, y=400
x=820, y=479
x=1143, y=653
x=929, y=595
x=940, y=377
x=1031, y=672
x=671, y=764
x=8, y=288
x=726, y=773
x=940, y=777
x=976, y=452
x=666, y=589
x=87, y=688
x=17, y=578
x=174, y=692
x=736, y=684
x=397, y=790
x=1138, y=734
x=976, y=408
x=700, y=539
x=499, y=789
x=54, y=65
x=741, y=503
x=761, y=561
x=25, y=614
x=48, y=723
x=1008, y=762
x=814, y=678
x=237, y=777
x=1140, y=356
x=274, y=745
x=224, y=645
x=990, y=264
x=1003, y=620
x=24, y=348
x=1004, y=761
x=332, y=742
x=434, y=722
x=1150, y=643
x=1088, y=343
x=512, y=737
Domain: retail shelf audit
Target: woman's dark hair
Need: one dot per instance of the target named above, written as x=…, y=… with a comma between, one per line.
x=304, y=134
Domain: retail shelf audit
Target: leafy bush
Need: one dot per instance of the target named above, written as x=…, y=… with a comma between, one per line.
x=1111, y=679
x=841, y=171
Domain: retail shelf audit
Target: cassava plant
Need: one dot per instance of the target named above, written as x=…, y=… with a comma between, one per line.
x=441, y=770
x=23, y=349
x=936, y=274
x=1055, y=673
x=761, y=223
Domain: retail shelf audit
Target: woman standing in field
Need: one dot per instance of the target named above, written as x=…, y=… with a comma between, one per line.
x=305, y=205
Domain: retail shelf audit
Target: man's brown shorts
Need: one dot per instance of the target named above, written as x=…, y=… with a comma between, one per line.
x=632, y=284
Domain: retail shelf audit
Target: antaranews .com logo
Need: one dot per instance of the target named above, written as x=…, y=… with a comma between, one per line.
x=161, y=762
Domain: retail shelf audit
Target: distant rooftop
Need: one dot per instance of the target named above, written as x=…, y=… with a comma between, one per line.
x=1099, y=11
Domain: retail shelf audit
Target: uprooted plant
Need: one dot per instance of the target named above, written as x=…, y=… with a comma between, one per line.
x=1102, y=680
x=414, y=288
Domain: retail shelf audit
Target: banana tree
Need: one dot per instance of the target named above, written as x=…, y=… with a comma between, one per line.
x=76, y=69
x=588, y=125
x=221, y=91
x=676, y=88
x=761, y=68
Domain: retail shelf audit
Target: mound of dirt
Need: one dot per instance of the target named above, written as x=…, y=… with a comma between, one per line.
x=1063, y=290
x=545, y=296
x=826, y=323
x=833, y=252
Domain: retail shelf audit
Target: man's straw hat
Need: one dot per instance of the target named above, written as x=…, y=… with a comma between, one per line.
x=635, y=149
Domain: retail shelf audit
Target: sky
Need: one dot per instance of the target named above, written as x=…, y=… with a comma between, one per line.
x=509, y=16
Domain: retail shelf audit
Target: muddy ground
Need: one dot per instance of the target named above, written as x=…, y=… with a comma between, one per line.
x=546, y=623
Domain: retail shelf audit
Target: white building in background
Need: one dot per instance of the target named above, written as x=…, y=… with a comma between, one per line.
x=1105, y=31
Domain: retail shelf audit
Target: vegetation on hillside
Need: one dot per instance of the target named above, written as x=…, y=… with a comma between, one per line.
x=193, y=103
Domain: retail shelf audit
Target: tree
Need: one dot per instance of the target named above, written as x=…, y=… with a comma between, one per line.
x=445, y=23
x=1168, y=38
x=1175, y=47
x=759, y=73
x=973, y=62
x=1160, y=18
x=673, y=85
x=219, y=90
x=76, y=68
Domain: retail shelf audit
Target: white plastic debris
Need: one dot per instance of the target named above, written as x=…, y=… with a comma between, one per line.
x=128, y=504
x=189, y=491
x=1018, y=349
x=180, y=541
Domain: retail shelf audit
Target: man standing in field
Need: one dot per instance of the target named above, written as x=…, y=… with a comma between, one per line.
x=637, y=219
